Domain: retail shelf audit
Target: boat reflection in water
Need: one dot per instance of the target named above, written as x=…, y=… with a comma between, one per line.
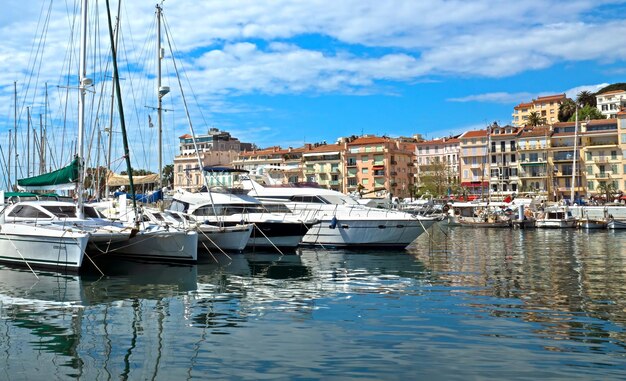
x=71, y=324
x=544, y=297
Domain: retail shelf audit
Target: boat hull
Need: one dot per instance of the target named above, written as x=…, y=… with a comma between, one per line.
x=390, y=234
x=555, y=224
x=42, y=247
x=617, y=224
x=229, y=238
x=159, y=245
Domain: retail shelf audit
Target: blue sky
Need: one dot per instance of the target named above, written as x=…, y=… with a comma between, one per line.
x=287, y=72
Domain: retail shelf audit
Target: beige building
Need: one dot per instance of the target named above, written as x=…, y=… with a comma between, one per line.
x=216, y=148
x=274, y=165
x=380, y=166
x=563, y=153
x=547, y=107
x=533, y=146
x=503, y=167
x=474, y=167
x=430, y=153
x=323, y=164
x=602, y=155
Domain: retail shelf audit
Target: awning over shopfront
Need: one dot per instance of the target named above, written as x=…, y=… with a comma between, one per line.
x=475, y=184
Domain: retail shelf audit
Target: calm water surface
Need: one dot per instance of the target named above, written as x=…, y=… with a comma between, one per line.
x=460, y=304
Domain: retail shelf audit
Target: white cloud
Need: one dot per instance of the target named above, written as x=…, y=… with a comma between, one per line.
x=499, y=97
x=573, y=92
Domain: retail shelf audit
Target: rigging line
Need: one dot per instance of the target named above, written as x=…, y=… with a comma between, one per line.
x=134, y=97
x=174, y=49
x=38, y=57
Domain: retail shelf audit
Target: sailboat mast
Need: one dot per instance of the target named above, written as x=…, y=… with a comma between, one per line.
x=84, y=82
x=15, y=128
x=109, y=148
x=159, y=96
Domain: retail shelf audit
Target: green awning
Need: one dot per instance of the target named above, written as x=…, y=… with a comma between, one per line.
x=535, y=164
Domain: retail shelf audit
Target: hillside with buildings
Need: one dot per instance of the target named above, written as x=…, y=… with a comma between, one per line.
x=535, y=154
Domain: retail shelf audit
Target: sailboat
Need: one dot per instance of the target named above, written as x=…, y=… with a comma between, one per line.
x=56, y=234
x=153, y=241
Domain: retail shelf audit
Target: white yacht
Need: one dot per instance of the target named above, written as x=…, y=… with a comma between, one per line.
x=273, y=228
x=343, y=221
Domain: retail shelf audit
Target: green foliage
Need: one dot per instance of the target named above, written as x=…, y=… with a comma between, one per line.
x=566, y=110
x=138, y=172
x=168, y=175
x=587, y=111
x=613, y=87
x=534, y=119
x=586, y=98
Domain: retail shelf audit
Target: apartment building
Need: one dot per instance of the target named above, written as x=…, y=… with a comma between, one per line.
x=533, y=146
x=438, y=155
x=547, y=107
x=379, y=166
x=273, y=165
x=473, y=164
x=503, y=166
x=621, y=128
x=602, y=155
x=565, y=160
x=213, y=149
x=323, y=164
x=610, y=103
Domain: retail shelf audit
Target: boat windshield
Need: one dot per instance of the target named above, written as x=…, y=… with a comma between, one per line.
x=229, y=210
x=61, y=211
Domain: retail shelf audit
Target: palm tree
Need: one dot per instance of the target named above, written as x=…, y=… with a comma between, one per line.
x=566, y=110
x=534, y=119
x=607, y=190
x=586, y=98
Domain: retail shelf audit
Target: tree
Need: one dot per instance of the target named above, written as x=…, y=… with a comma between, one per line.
x=566, y=110
x=138, y=172
x=587, y=112
x=534, y=119
x=435, y=178
x=586, y=98
x=607, y=190
x=168, y=175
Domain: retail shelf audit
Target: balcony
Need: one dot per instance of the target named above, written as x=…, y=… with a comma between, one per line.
x=601, y=160
x=532, y=174
x=351, y=164
x=603, y=175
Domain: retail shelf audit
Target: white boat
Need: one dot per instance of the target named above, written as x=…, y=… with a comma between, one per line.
x=281, y=229
x=343, y=221
x=225, y=238
x=616, y=224
x=55, y=234
x=556, y=218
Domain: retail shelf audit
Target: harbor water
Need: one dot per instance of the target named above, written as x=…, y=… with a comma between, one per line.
x=459, y=304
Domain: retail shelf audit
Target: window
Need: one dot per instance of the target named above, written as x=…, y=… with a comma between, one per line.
x=365, y=181
x=513, y=158
x=365, y=171
x=613, y=155
x=364, y=158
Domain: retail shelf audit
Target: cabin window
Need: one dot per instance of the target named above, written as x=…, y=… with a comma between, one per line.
x=27, y=211
x=61, y=211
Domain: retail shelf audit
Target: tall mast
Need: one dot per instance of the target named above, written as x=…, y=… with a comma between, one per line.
x=28, y=142
x=84, y=82
x=161, y=92
x=117, y=27
x=15, y=128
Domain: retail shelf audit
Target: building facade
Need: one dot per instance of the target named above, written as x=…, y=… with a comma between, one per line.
x=474, y=167
x=503, y=165
x=216, y=148
x=534, y=172
x=438, y=158
x=610, y=103
x=547, y=107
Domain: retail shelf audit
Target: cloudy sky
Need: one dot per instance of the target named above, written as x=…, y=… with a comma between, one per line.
x=285, y=72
